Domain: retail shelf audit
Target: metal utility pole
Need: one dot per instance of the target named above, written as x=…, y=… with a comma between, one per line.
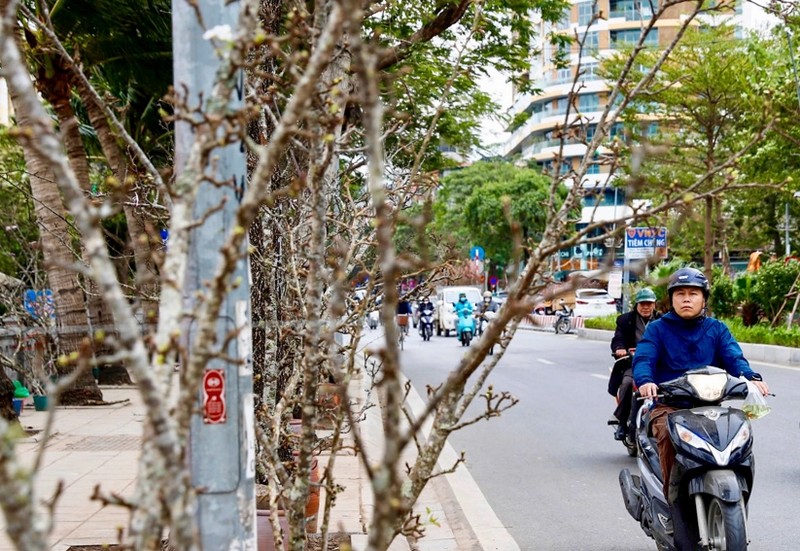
x=222, y=437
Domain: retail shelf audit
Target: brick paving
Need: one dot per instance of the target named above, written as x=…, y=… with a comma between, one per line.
x=99, y=445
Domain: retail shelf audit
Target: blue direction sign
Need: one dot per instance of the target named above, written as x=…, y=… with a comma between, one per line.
x=476, y=253
x=644, y=242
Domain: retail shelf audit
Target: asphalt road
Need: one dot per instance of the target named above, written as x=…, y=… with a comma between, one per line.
x=548, y=467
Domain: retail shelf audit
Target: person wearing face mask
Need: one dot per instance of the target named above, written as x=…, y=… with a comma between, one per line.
x=682, y=340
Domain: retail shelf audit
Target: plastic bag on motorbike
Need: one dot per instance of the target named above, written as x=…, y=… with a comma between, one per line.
x=755, y=405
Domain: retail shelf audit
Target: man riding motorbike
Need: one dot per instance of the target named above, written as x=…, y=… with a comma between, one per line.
x=425, y=311
x=488, y=305
x=629, y=331
x=682, y=340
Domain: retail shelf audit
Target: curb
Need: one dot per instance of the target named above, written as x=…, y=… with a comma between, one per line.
x=767, y=353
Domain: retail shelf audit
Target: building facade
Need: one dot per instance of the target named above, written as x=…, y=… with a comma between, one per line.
x=569, y=80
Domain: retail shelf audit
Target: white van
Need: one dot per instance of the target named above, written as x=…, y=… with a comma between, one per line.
x=444, y=316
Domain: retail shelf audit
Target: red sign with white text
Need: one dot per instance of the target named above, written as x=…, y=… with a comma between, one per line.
x=214, y=410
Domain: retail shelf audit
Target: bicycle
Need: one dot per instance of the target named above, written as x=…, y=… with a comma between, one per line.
x=402, y=323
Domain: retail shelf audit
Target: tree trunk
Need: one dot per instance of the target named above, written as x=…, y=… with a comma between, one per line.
x=722, y=236
x=55, y=238
x=140, y=240
x=56, y=89
x=708, y=246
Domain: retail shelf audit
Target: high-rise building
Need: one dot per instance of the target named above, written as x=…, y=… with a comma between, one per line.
x=603, y=26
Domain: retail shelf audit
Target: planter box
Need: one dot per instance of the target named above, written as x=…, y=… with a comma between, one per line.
x=40, y=402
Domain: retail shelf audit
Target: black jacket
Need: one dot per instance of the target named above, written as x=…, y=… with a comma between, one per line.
x=625, y=333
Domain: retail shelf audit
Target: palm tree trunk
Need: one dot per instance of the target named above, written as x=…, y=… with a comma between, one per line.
x=145, y=275
x=59, y=255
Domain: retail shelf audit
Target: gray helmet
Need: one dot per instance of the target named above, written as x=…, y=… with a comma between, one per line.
x=688, y=277
x=645, y=295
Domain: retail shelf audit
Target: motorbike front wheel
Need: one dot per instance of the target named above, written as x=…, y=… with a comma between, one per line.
x=562, y=326
x=726, y=526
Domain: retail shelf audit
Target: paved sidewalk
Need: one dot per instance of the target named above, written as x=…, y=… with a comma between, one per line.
x=99, y=445
x=91, y=445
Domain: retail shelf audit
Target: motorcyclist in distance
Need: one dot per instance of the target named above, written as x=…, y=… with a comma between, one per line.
x=682, y=340
x=629, y=331
x=425, y=304
x=463, y=305
x=488, y=305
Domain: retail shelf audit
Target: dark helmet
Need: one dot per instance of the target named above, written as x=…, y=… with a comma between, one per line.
x=462, y=295
x=688, y=277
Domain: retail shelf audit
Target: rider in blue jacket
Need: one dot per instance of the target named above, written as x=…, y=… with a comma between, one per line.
x=463, y=305
x=682, y=340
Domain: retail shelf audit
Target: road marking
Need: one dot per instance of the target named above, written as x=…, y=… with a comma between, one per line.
x=604, y=377
x=546, y=362
x=476, y=509
x=778, y=366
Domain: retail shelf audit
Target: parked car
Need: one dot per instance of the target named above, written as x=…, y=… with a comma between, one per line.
x=594, y=303
x=444, y=317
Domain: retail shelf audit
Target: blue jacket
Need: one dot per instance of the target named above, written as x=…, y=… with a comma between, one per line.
x=464, y=308
x=672, y=346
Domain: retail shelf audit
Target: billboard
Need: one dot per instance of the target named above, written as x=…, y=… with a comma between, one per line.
x=646, y=242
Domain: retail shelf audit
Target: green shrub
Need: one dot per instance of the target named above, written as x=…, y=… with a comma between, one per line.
x=722, y=300
x=607, y=322
x=758, y=334
x=773, y=282
x=762, y=333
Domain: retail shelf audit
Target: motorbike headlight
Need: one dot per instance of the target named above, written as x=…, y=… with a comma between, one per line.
x=692, y=439
x=722, y=457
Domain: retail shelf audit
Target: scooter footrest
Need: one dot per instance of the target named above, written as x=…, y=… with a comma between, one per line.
x=613, y=421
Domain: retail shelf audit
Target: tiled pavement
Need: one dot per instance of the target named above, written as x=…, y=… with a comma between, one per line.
x=99, y=445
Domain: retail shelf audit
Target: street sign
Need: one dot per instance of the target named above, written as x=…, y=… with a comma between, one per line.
x=615, y=283
x=644, y=242
x=39, y=304
x=476, y=253
x=214, y=397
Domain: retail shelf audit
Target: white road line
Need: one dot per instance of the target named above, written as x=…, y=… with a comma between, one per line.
x=546, y=362
x=481, y=517
x=789, y=367
x=604, y=377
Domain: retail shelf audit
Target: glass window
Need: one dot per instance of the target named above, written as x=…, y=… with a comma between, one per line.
x=586, y=11
x=631, y=36
x=592, y=42
x=593, y=168
x=588, y=102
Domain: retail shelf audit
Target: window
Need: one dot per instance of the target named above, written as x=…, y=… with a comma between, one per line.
x=633, y=10
x=592, y=41
x=588, y=71
x=588, y=102
x=593, y=168
x=586, y=10
x=632, y=37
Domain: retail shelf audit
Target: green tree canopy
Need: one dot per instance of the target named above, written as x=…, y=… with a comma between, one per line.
x=479, y=204
x=703, y=108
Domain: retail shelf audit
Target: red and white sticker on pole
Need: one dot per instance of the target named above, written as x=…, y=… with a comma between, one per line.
x=214, y=410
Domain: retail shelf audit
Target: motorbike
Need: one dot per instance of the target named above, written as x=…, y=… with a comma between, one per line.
x=615, y=389
x=714, y=465
x=426, y=324
x=481, y=321
x=563, y=320
x=465, y=327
